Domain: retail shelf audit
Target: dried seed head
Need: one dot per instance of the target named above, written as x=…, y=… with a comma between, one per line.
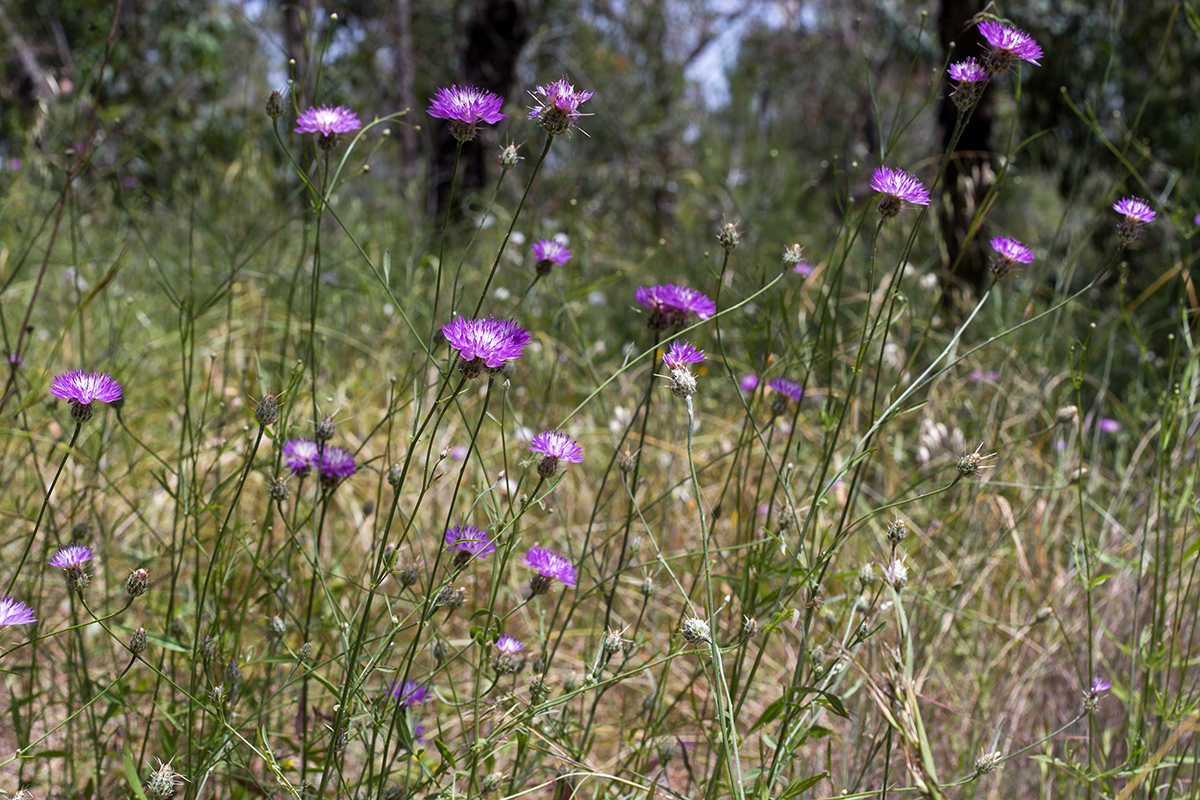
x=627, y=461
x=987, y=761
x=897, y=530
x=137, y=583
x=695, y=630
x=450, y=597
x=749, y=626
x=972, y=464
x=279, y=490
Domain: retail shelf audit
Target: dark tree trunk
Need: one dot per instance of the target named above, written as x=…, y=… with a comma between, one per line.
x=404, y=74
x=969, y=173
x=495, y=36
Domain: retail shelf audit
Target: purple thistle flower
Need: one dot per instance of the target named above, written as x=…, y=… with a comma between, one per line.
x=803, y=269
x=509, y=645
x=1011, y=253
x=1091, y=698
x=560, y=108
x=301, y=456
x=485, y=342
x=553, y=447
x=1135, y=209
x=408, y=693
x=980, y=375
x=682, y=353
x=1008, y=45
x=72, y=556
x=466, y=107
x=337, y=464
x=1110, y=426
x=896, y=188
x=547, y=253
x=467, y=542
x=785, y=390
x=1099, y=686
x=14, y=612
x=328, y=123
x=670, y=305
x=80, y=388
x=748, y=383
x=1137, y=214
x=550, y=566
x=969, y=76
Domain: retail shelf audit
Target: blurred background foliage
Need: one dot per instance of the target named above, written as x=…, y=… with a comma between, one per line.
x=767, y=111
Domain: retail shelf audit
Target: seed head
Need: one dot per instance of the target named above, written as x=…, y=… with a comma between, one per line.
x=408, y=575
x=267, y=411
x=648, y=588
x=866, y=576
x=277, y=626
x=164, y=782
x=279, y=490
x=613, y=642
x=395, y=475
x=627, y=461
x=491, y=782
x=987, y=761
x=137, y=583
x=325, y=429
x=729, y=236
x=749, y=626
x=897, y=530
x=508, y=157
x=695, y=630
x=450, y=597
x=233, y=675
x=275, y=105
x=895, y=574
x=972, y=464
x=137, y=643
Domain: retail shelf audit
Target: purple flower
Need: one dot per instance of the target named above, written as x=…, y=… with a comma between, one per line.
x=509, y=645
x=670, y=305
x=553, y=447
x=337, y=464
x=467, y=542
x=1110, y=426
x=681, y=354
x=790, y=389
x=803, y=269
x=1099, y=686
x=896, y=188
x=1135, y=209
x=466, y=107
x=548, y=252
x=408, y=693
x=1011, y=253
x=301, y=456
x=550, y=566
x=485, y=342
x=748, y=383
x=1137, y=214
x=979, y=375
x=81, y=388
x=72, y=556
x=1197, y=220
x=14, y=612
x=560, y=108
x=1091, y=698
x=1008, y=45
x=327, y=122
x=969, y=76
x=785, y=390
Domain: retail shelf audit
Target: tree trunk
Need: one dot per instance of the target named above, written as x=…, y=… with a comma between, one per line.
x=969, y=173
x=297, y=16
x=495, y=36
x=404, y=74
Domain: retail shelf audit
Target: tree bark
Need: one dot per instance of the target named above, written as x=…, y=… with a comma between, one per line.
x=297, y=16
x=404, y=74
x=495, y=36
x=969, y=172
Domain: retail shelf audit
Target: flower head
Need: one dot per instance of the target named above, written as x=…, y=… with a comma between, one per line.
x=508, y=661
x=969, y=77
x=328, y=123
x=896, y=187
x=1011, y=253
x=547, y=253
x=553, y=447
x=73, y=555
x=681, y=354
x=1091, y=698
x=1008, y=45
x=80, y=388
x=466, y=107
x=1109, y=426
x=468, y=542
x=748, y=383
x=559, y=110
x=485, y=342
x=550, y=566
x=785, y=390
x=671, y=305
x=1137, y=214
x=301, y=456
x=337, y=464
x=407, y=693
x=14, y=612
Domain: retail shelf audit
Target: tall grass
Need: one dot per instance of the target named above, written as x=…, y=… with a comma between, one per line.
x=914, y=575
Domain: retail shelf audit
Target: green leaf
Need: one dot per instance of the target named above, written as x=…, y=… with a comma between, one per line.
x=447, y=756
x=801, y=785
x=131, y=774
